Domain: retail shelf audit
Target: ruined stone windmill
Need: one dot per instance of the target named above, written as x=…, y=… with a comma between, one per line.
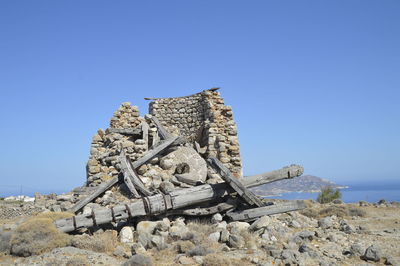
x=181, y=159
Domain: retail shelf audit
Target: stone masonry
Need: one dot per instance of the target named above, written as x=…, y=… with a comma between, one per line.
x=202, y=119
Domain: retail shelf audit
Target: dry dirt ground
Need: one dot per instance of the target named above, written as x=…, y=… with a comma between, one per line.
x=329, y=234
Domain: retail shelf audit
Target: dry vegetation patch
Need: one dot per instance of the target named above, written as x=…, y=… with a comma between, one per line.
x=38, y=234
x=99, y=242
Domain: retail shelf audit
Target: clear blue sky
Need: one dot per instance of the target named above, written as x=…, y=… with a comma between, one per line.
x=311, y=82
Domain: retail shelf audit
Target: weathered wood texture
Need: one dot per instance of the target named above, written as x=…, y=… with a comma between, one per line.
x=287, y=172
x=101, y=189
x=162, y=132
x=105, y=186
x=254, y=213
x=128, y=171
x=125, y=131
x=228, y=177
x=162, y=203
x=202, y=211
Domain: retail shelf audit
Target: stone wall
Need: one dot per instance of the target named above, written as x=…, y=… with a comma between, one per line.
x=204, y=118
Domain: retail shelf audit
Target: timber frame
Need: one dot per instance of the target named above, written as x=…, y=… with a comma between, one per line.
x=232, y=197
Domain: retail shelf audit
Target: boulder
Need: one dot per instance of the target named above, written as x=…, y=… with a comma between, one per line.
x=138, y=260
x=373, y=253
x=126, y=235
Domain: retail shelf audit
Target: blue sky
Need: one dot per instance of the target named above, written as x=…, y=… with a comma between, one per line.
x=311, y=82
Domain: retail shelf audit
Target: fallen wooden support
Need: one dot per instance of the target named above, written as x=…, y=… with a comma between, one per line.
x=242, y=191
x=254, y=213
x=105, y=186
x=203, y=211
x=257, y=180
x=128, y=171
x=125, y=131
x=162, y=132
x=160, y=203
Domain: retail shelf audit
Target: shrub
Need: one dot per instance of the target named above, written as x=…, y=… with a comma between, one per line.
x=39, y=234
x=338, y=210
x=216, y=260
x=327, y=195
x=99, y=242
x=357, y=212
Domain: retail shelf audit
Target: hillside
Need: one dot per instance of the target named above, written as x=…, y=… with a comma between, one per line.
x=305, y=183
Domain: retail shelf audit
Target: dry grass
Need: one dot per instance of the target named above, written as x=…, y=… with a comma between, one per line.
x=216, y=259
x=338, y=210
x=100, y=242
x=38, y=234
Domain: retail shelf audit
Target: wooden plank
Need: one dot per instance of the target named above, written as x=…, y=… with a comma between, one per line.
x=125, y=131
x=252, y=214
x=175, y=200
x=203, y=211
x=101, y=189
x=153, y=152
x=164, y=134
x=131, y=187
x=105, y=186
x=128, y=171
x=242, y=191
x=283, y=173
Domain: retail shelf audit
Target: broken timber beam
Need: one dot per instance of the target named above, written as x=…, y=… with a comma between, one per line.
x=160, y=203
x=142, y=160
x=130, y=176
x=242, y=191
x=288, y=171
x=254, y=213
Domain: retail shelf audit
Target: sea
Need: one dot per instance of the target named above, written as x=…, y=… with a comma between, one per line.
x=354, y=193
x=370, y=192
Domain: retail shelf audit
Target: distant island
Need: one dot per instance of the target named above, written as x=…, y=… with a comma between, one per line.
x=305, y=183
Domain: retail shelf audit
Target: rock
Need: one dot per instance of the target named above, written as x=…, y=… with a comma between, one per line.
x=356, y=250
x=126, y=235
x=236, y=241
x=225, y=236
x=138, y=260
x=346, y=227
x=389, y=260
x=303, y=236
x=159, y=242
x=216, y=218
x=363, y=203
x=294, y=224
x=236, y=227
x=187, y=161
x=121, y=252
x=325, y=223
x=289, y=256
x=373, y=253
x=166, y=187
x=214, y=236
x=262, y=222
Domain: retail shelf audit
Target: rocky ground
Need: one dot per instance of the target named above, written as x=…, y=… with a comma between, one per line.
x=328, y=234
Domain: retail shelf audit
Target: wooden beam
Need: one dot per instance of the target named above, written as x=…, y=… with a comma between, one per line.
x=252, y=214
x=162, y=132
x=242, y=191
x=283, y=173
x=203, y=211
x=125, y=131
x=128, y=171
x=100, y=190
x=105, y=186
x=158, y=203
